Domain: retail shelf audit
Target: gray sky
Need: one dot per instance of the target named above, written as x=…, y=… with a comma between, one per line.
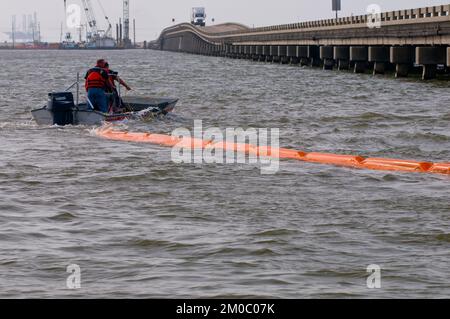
x=153, y=16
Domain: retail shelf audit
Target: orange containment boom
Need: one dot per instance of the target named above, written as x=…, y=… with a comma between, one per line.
x=382, y=164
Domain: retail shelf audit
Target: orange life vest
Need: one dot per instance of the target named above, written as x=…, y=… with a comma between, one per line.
x=96, y=78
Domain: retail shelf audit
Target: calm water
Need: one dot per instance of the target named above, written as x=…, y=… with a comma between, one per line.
x=141, y=226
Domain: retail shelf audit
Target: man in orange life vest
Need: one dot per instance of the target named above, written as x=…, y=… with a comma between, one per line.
x=97, y=83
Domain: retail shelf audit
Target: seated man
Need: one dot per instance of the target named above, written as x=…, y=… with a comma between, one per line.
x=97, y=83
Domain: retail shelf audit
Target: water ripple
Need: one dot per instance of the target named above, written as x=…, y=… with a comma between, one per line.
x=141, y=226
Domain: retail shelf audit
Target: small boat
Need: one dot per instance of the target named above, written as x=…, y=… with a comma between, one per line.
x=61, y=109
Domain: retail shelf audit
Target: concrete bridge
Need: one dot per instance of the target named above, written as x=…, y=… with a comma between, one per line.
x=404, y=39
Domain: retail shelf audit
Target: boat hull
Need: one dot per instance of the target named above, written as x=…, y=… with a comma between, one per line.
x=138, y=108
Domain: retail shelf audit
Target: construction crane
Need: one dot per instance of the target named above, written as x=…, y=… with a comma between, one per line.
x=108, y=31
x=94, y=36
x=90, y=17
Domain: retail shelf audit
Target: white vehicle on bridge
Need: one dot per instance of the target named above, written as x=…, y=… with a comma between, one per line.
x=198, y=16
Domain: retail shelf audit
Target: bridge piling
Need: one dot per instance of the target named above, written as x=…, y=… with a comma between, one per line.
x=236, y=51
x=448, y=57
x=341, y=54
x=249, y=55
x=228, y=51
x=254, y=57
x=250, y=52
x=314, y=55
x=326, y=54
x=241, y=52
x=380, y=56
x=359, y=55
x=266, y=54
x=292, y=54
x=274, y=54
x=232, y=51
x=429, y=58
x=302, y=54
x=259, y=52
x=403, y=57
x=282, y=53
x=246, y=52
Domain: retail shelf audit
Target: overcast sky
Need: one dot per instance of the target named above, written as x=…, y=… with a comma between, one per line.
x=152, y=16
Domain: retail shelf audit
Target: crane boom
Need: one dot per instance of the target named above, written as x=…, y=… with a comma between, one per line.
x=90, y=16
x=108, y=31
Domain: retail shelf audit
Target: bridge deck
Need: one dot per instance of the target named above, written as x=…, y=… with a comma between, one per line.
x=402, y=38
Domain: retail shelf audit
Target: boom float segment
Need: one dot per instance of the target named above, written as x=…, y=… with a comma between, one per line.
x=380, y=164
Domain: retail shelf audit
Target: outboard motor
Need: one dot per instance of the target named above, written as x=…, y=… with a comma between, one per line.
x=61, y=105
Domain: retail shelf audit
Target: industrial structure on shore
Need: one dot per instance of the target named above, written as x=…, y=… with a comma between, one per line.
x=88, y=35
x=102, y=39
x=27, y=33
x=400, y=40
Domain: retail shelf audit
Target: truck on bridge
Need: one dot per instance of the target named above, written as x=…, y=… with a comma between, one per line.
x=198, y=16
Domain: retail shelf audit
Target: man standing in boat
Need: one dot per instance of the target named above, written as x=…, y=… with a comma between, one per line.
x=113, y=78
x=97, y=83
